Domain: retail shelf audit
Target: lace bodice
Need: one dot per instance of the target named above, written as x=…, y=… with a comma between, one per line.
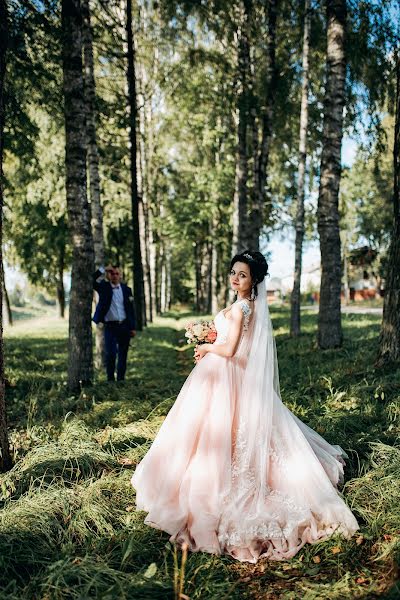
x=222, y=323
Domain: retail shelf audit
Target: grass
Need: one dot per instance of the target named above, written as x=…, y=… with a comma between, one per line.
x=68, y=525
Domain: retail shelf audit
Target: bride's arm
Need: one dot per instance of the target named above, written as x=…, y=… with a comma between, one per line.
x=228, y=348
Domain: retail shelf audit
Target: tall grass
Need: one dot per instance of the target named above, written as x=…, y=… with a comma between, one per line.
x=68, y=524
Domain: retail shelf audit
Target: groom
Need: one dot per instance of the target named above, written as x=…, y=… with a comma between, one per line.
x=116, y=310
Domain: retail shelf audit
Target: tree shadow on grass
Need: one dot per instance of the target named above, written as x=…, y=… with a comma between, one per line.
x=37, y=371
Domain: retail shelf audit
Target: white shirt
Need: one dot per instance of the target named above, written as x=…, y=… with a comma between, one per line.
x=116, y=312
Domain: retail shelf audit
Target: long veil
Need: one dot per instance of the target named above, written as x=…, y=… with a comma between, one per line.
x=259, y=391
x=254, y=411
x=283, y=474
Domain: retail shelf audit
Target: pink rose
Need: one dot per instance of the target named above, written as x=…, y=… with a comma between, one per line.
x=212, y=336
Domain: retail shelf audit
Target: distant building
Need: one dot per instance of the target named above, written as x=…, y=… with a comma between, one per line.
x=364, y=283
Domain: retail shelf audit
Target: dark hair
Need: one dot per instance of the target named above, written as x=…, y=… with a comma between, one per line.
x=257, y=264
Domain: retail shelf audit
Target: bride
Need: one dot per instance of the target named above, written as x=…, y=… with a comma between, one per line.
x=232, y=470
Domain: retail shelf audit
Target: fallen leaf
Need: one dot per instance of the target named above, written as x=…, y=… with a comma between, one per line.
x=150, y=571
x=316, y=559
x=126, y=462
x=359, y=540
x=361, y=580
x=130, y=508
x=336, y=550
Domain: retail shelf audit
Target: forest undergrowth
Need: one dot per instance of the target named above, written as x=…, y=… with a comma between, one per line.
x=68, y=525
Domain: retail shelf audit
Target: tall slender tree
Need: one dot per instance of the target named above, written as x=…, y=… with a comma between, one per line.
x=80, y=359
x=262, y=139
x=255, y=109
x=243, y=111
x=138, y=280
x=329, y=318
x=93, y=160
x=5, y=456
x=295, y=297
x=6, y=299
x=389, y=345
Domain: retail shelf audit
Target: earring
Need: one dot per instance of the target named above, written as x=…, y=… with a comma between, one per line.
x=253, y=293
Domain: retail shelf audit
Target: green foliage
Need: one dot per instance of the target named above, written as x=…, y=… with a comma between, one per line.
x=186, y=55
x=366, y=197
x=35, y=214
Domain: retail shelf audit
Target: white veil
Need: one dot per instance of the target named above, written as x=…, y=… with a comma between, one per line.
x=258, y=394
x=254, y=421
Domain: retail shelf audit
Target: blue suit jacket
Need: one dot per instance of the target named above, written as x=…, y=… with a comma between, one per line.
x=104, y=289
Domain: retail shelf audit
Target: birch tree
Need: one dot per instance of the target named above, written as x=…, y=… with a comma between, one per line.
x=389, y=344
x=299, y=224
x=138, y=282
x=329, y=318
x=5, y=457
x=93, y=161
x=80, y=360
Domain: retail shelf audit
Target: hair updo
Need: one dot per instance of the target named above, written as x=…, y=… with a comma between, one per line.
x=257, y=264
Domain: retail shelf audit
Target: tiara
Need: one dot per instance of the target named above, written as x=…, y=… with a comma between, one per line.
x=247, y=256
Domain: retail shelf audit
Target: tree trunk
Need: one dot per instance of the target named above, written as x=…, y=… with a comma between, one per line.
x=261, y=151
x=6, y=298
x=168, y=280
x=80, y=363
x=389, y=343
x=93, y=161
x=152, y=265
x=241, y=192
x=295, y=297
x=158, y=276
x=92, y=148
x=329, y=319
x=163, y=279
x=61, y=299
x=346, y=287
x=197, y=274
x=5, y=456
x=60, y=286
x=145, y=194
x=138, y=283
x=144, y=245
x=214, y=274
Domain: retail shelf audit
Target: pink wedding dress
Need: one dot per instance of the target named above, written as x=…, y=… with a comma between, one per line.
x=232, y=470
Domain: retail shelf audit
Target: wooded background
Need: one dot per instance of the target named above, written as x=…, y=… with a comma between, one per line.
x=165, y=136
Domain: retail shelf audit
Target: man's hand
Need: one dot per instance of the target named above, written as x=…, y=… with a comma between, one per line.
x=133, y=333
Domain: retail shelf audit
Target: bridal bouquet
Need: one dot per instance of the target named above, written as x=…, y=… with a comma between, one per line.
x=201, y=332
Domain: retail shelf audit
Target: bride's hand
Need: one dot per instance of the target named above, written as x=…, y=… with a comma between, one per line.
x=200, y=351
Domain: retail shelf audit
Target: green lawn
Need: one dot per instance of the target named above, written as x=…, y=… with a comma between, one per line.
x=68, y=528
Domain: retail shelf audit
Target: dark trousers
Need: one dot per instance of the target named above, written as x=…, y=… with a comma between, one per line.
x=116, y=337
